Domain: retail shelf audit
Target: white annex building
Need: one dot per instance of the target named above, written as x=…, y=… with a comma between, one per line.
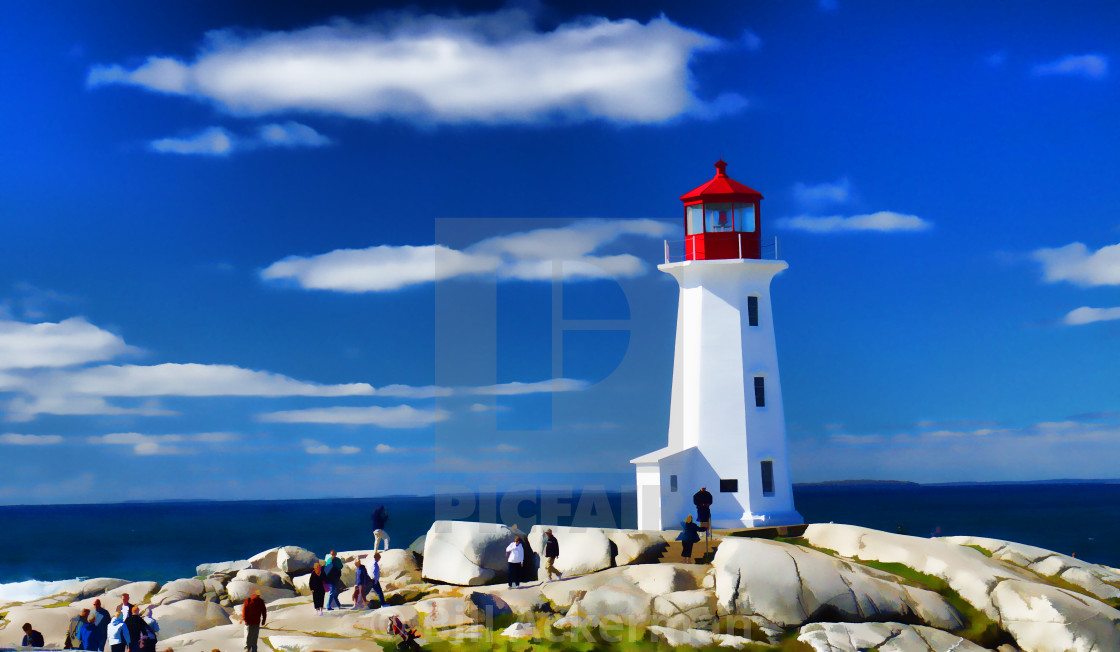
x=727, y=430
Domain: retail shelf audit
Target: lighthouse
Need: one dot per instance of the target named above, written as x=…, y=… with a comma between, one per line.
x=727, y=429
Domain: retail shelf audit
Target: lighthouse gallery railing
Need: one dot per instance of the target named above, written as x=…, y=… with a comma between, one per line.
x=676, y=251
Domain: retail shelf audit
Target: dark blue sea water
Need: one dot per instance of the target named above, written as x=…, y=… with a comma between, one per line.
x=163, y=541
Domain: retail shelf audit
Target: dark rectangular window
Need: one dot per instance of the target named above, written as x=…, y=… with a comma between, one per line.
x=752, y=311
x=759, y=391
x=672, y=483
x=767, y=478
x=728, y=486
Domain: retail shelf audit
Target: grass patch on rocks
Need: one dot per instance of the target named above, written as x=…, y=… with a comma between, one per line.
x=984, y=551
x=978, y=628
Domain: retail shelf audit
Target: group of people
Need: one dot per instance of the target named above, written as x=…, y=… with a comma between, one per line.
x=326, y=582
x=690, y=531
x=97, y=629
x=515, y=558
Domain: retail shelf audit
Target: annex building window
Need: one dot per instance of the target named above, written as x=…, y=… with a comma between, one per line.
x=728, y=486
x=767, y=478
x=673, y=483
x=759, y=391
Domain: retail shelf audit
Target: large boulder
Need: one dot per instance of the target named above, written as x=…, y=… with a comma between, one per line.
x=638, y=546
x=659, y=579
x=93, y=587
x=205, y=570
x=1100, y=581
x=1044, y=618
x=240, y=590
x=782, y=585
x=467, y=554
x=182, y=589
x=398, y=568
x=138, y=593
x=443, y=613
x=185, y=616
x=267, y=578
x=618, y=601
x=685, y=609
x=884, y=637
x=292, y=560
x=582, y=550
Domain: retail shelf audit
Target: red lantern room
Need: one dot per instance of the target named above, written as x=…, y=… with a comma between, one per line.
x=721, y=219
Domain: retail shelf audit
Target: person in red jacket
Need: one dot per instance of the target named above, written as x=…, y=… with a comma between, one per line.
x=254, y=614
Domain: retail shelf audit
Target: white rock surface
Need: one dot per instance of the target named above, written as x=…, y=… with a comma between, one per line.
x=884, y=637
x=617, y=601
x=520, y=630
x=685, y=609
x=203, y=570
x=787, y=585
x=379, y=619
x=267, y=578
x=188, y=616
x=439, y=613
x=93, y=587
x=182, y=589
x=292, y=560
x=697, y=638
x=1044, y=618
x=240, y=590
x=659, y=579
x=582, y=550
x=138, y=593
x=467, y=554
x=638, y=546
x=50, y=621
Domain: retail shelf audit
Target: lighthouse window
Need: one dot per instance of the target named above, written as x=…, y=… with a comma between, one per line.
x=718, y=218
x=744, y=217
x=728, y=486
x=672, y=483
x=752, y=311
x=767, y=478
x=759, y=391
x=694, y=215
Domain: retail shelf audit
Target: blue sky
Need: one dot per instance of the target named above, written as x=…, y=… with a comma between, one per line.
x=273, y=250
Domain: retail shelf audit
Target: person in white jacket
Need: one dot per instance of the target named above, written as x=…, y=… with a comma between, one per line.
x=117, y=637
x=515, y=556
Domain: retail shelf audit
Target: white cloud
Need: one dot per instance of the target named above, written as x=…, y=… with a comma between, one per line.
x=312, y=447
x=70, y=342
x=161, y=444
x=400, y=416
x=517, y=388
x=821, y=194
x=1091, y=66
x=883, y=221
x=1074, y=263
x=490, y=68
x=214, y=141
x=26, y=408
x=292, y=134
x=1087, y=315
x=527, y=256
x=29, y=440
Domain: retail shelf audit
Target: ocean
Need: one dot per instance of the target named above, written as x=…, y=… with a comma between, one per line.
x=47, y=546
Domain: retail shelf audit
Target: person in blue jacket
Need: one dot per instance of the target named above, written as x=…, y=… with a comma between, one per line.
x=87, y=633
x=101, y=621
x=690, y=534
x=31, y=637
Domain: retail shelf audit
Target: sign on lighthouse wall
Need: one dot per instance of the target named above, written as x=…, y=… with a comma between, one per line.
x=727, y=428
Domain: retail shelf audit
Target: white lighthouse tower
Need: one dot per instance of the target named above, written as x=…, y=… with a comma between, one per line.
x=727, y=430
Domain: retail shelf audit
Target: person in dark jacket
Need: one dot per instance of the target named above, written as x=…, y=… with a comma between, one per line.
x=334, y=581
x=101, y=621
x=136, y=628
x=703, y=501
x=690, y=534
x=375, y=579
x=31, y=637
x=380, y=518
x=74, y=631
x=551, y=552
x=88, y=633
x=317, y=584
x=362, y=585
x=148, y=641
x=253, y=614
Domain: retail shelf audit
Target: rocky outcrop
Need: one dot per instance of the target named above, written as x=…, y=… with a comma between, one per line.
x=290, y=560
x=184, y=616
x=884, y=637
x=466, y=554
x=182, y=589
x=582, y=550
x=93, y=587
x=204, y=570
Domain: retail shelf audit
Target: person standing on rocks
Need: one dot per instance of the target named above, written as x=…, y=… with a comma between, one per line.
x=334, y=581
x=376, y=579
x=117, y=636
x=362, y=584
x=74, y=631
x=88, y=633
x=102, y=624
x=703, y=501
x=137, y=629
x=515, y=557
x=380, y=518
x=253, y=614
x=148, y=644
x=31, y=637
x=551, y=552
x=316, y=583
x=690, y=534
x=126, y=606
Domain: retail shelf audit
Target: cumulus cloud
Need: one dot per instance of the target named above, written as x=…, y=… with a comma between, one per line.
x=1086, y=315
x=1076, y=264
x=821, y=194
x=400, y=416
x=29, y=440
x=491, y=68
x=313, y=447
x=882, y=221
x=527, y=256
x=70, y=342
x=1090, y=66
x=216, y=141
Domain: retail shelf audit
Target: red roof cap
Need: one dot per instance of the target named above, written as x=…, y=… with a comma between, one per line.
x=722, y=187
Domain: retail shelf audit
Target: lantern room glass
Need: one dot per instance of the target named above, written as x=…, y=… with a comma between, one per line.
x=744, y=217
x=694, y=216
x=717, y=218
